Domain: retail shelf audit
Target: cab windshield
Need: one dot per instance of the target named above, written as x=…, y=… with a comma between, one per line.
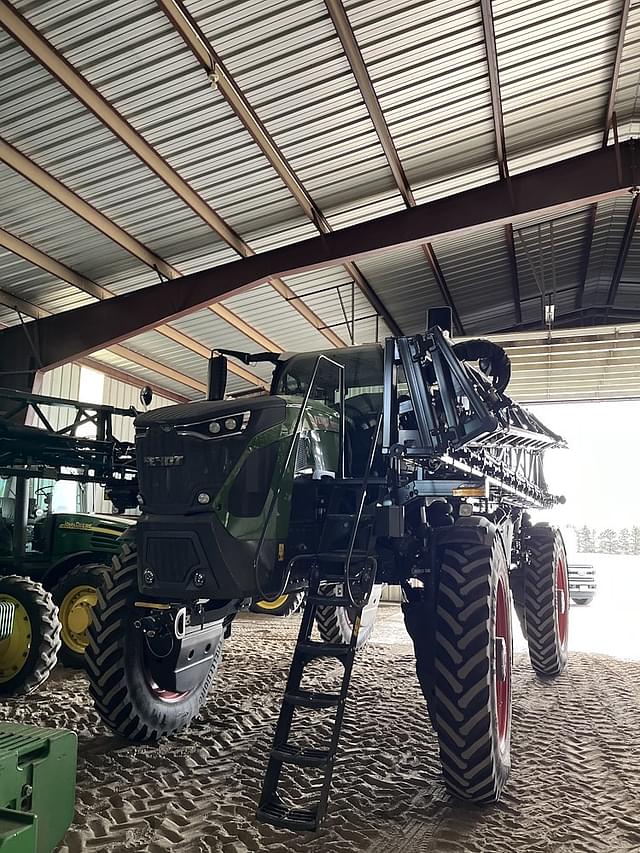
x=363, y=374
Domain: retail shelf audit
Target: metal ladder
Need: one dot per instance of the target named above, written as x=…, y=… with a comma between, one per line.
x=333, y=565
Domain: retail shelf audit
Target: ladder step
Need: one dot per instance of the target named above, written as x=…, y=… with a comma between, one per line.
x=318, y=649
x=310, y=699
x=301, y=756
x=341, y=556
x=277, y=814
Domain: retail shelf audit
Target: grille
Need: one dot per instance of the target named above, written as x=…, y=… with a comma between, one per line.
x=6, y=619
x=171, y=559
x=104, y=542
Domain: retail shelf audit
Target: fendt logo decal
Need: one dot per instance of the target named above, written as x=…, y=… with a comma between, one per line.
x=163, y=461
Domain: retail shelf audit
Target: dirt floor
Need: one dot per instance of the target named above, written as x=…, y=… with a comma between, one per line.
x=575, y=784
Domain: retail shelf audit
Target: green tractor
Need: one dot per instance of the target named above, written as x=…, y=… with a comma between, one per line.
x=53, y=558
x=403, y=464
x=66, y=552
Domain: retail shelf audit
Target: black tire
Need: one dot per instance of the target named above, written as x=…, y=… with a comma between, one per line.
x=74, y=587
x=290, y=604
x=35, y=640
x=546, y=600
x=335, y=624
x=122, y=692
x=473, y=681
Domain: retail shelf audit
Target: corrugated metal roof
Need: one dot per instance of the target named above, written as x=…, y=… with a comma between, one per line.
x=550, y=257
x=556, y=60
x=628, y=91
x=430, y=75
x=404, y=280
x=610, y=222
x=429, y=70
x=34, y=285
x=288, y=60
x=476, y=268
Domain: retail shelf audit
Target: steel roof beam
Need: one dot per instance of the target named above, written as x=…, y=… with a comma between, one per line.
x=62, y=194
x=32, y=41
x=209, y=59
x=553, y=189
x=48, y=264
x=494, y=86
x=615, y=74
x=625, y=245
x=360, y=71
x=38, y=313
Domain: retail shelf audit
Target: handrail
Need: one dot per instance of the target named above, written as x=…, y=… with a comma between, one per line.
x=358, y=516
x=276, y=494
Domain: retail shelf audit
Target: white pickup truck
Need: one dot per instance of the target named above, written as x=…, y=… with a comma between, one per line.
x=582, y=583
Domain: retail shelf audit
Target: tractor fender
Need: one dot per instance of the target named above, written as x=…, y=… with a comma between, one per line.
x=71, y=561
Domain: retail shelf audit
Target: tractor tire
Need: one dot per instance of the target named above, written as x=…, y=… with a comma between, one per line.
x=76, y=594
x=473, y=658
x=285, y=605
x=546, y=600
x=124, y=694
x=335, y=624
x=30, y=653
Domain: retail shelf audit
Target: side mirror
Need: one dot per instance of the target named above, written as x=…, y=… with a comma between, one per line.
x=146, y=396
x=217, y=383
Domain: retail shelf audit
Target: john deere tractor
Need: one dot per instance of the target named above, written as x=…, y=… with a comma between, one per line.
x=54, y=560
x=404, y=463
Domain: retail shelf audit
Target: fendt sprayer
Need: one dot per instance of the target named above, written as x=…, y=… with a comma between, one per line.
x=52, y=562
x=402, y=464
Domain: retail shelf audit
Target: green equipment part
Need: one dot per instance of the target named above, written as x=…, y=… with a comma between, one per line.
x=37, y=787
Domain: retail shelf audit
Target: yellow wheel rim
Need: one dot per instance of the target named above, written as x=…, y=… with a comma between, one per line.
x=75, y=617
x=14, y=651
x=272, y=605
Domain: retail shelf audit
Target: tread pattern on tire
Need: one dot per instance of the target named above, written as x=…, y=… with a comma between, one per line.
x=106, y=657
x=48, y=642
x=101, y=572
x=474, y=765
x=334, y=623
x=546, y=653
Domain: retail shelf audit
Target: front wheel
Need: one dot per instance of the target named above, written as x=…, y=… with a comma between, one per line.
x=473, y=658
x=119, y=664
x=30, y=652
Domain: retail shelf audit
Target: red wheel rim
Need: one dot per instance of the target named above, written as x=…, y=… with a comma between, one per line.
x=562, y=600
x=502, y=662
x=168, y=696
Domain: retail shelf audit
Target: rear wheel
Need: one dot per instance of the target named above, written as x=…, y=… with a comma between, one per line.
x=30, y=652
x=76, y=594
x=285, y=605
x=336, y=623
x=546, y=600
x=125, y=694
x=473, y=656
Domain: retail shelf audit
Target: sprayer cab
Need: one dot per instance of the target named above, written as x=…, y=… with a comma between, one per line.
x=218, y=480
